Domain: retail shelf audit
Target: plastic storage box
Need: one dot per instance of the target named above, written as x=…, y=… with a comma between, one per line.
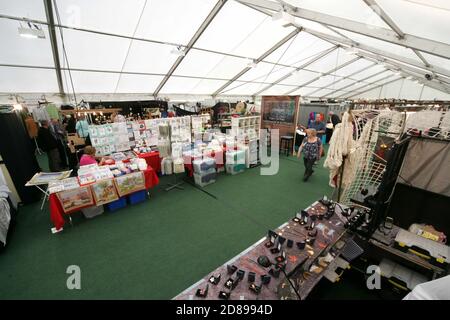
x=399, y=276
x=237, y=156
x=205, y=178
x=434, y=252
x=116, y=205
x=204, y=165
x=235, y=168
x=137, y=197
x=92, y=212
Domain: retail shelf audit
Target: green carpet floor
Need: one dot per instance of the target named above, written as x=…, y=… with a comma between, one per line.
x=155, y=249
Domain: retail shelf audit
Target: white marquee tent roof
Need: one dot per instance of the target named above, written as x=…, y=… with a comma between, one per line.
x=330, y=48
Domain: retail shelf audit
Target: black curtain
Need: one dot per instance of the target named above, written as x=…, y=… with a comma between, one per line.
x=18, y=155
x=413, y=205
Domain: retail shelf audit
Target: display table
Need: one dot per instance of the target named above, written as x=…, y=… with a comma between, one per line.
x=57, y=212
x=152, y=159
x=298, y=263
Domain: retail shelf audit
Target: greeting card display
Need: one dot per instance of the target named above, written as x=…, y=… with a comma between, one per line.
x=102, y=173
x=86, y=178
x=64, y=184
x=93, y=131
x=130, y=183
x=108, y=130
x=72, y=200
x=104, y=192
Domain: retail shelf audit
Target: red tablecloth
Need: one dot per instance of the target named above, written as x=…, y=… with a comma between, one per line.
x=57, y=212
x=152, y=159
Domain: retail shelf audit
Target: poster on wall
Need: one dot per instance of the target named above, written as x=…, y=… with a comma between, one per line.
x=78, y=198
x=104, y=192
x=280, y=109
x=130, y=183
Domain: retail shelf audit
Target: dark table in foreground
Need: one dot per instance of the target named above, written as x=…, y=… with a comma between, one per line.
x=329, y=233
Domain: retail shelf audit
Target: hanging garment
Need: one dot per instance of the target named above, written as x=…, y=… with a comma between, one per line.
x=164, y=148
x=178, y=165
x=32, y=127
x=40, y=114
x=52, y=111
x=166, y=166
x=177, y=150
x=164, y=130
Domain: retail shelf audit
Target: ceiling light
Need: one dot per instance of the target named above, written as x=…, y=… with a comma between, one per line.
x=283, y=17
x=409, y=78
x=33, y=31
x=178, y=51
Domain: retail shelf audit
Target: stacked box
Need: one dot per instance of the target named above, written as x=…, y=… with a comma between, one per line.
x=235, y=168
x=434, y=252
x=203, y=165
x=235, y=157
x=92, y=212
x=118, y=204
x=137, y=197
x=205, y=178
x=235, y=161
x=204, y=171
x=400, y=276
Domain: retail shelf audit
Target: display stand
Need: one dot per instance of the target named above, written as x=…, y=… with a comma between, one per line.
x=175, y=184
x=37, y=150
x=175, y=138
x=44, y=189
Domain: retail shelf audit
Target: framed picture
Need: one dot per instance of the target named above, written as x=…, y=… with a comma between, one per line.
x=104, y=192
x=78, y=198
x=130, y=183
x=279, y=109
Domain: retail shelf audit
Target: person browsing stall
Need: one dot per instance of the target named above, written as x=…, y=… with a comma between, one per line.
x=49, y=144
x=317, y=125
x=89, y=157
x=312, y=150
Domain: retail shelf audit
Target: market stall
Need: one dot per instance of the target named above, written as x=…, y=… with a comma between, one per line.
x=86, y=195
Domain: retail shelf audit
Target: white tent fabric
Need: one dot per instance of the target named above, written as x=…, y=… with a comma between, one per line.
x=329, y=49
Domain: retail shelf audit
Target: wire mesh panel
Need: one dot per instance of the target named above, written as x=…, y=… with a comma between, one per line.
x=429, y=123
x=375, y=132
